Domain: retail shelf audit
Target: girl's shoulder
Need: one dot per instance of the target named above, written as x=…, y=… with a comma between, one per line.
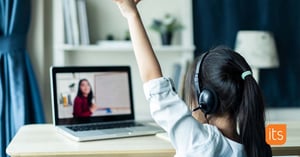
x=225, y=145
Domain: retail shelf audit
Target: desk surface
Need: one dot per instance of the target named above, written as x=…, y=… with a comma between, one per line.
x=44, y=140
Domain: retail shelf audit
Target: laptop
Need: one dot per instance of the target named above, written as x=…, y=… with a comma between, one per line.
x=92, y=103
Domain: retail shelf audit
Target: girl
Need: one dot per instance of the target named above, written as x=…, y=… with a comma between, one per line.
x=228, y=117
x=83, y=106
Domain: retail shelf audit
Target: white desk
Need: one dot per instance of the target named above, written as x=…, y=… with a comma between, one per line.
x=43, y=140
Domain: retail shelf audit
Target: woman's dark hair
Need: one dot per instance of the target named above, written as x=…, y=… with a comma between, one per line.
x=90, y=95
x=241, y=99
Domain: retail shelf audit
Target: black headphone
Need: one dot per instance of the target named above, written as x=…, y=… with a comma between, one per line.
x=207, y=98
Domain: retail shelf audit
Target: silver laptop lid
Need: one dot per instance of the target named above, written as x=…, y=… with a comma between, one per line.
x=91, y=94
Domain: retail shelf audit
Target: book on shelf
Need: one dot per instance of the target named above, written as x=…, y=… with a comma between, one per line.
x=67, y=23
x=75, y=22
x=83, y=22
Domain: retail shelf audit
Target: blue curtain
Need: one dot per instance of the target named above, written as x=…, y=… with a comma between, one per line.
x=20, y=101
x=217, y=22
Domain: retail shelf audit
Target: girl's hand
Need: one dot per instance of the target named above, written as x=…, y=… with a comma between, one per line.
x=94, y=108
x=127, y=7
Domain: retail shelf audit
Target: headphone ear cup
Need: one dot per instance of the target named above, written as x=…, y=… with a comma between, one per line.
x=208, y=101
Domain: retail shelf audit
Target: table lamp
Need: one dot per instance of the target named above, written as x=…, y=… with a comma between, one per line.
x=258, y=48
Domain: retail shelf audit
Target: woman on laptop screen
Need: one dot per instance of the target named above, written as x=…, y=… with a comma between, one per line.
x=83, y=105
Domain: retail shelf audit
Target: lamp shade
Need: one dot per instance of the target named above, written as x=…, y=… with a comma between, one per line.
x=258, y=48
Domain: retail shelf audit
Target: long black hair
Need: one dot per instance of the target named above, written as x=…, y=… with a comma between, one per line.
x=241, y=99
x=90, y=95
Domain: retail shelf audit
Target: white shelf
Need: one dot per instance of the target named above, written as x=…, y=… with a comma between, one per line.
x=99, y=48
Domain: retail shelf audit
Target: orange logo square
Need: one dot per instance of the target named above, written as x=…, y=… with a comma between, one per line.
x=276, y=134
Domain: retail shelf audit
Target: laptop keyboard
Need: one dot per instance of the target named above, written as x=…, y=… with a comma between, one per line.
x=104, y=126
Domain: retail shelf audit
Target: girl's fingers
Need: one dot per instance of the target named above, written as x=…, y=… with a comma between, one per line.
x=136, y=1
x=120, y=1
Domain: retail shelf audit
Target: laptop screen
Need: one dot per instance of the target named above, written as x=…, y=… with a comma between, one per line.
x=91, y=94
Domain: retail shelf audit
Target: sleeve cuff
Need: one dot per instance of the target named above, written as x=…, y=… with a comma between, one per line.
x=158, y=86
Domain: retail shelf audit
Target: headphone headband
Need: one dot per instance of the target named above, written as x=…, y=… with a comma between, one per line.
x=197, y=70
x=206, y=97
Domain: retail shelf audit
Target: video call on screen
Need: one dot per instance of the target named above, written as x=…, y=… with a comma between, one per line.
x=108, y=93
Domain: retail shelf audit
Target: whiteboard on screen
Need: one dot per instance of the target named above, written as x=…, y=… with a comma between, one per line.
x=112, y=90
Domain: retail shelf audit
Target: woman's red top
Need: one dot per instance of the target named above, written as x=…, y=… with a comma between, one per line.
x=81, y=107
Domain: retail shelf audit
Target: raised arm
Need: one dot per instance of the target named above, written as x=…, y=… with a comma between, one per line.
x=147, y=62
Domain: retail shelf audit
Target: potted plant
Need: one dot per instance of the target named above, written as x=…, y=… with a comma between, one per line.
x=166, y=27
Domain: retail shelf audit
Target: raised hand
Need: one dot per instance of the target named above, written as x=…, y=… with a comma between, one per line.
x=127, y=7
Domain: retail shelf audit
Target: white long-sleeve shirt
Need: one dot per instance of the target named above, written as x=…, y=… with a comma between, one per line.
x=189, y=137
